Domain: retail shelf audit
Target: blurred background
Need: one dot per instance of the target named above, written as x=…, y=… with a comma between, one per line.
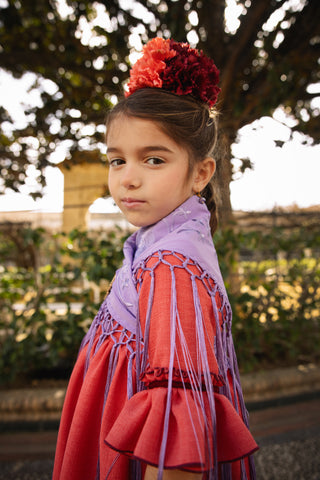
x=63, y=65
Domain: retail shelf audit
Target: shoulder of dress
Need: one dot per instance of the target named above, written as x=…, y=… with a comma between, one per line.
x=166, y=258
x=161, y=261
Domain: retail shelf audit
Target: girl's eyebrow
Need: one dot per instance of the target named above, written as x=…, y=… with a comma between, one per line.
x=143, y=150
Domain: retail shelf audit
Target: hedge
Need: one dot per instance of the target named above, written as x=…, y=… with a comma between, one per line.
x=51, y=288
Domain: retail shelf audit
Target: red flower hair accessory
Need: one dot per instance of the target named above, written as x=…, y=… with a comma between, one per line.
x=177, y=68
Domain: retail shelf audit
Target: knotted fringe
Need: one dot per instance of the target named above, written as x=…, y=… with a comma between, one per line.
x=103, y=327
x=198, y=375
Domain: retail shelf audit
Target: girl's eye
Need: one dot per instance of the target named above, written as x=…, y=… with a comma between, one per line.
x=155, y=161
x=115, y=162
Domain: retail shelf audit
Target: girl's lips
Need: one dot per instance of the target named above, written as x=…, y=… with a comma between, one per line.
x=131, y=202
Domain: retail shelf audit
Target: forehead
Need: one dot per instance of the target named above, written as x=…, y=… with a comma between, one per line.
x=138, y=131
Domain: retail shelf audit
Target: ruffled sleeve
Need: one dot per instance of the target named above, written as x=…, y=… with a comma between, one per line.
x=180, y=419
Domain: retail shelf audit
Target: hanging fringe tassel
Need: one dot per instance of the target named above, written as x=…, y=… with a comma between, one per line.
x=203, y=366
x=173, y=314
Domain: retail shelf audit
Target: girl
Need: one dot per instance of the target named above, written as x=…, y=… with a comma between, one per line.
x=155, y=391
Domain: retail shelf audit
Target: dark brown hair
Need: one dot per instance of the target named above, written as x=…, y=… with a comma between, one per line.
x=188, y=122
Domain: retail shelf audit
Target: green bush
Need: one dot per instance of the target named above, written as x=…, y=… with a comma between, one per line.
x=275, y=296
x=276, y=313
x=47, y=306
x=50, y=295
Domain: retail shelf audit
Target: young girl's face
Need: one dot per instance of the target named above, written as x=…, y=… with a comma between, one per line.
x=148, y=172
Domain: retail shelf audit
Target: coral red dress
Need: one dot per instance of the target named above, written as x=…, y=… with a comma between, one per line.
x=113, y=424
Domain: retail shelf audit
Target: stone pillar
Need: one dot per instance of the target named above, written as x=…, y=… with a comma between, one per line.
x=83, y=184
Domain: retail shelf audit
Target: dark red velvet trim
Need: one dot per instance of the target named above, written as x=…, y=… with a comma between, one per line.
x=160, y=374
x=164, y=383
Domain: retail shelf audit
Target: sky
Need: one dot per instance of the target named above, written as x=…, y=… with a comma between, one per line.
x=280, y=177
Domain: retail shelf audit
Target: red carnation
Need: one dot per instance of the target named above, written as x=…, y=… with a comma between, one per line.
x=190, y=72
x=146, y=71
x=175, y=67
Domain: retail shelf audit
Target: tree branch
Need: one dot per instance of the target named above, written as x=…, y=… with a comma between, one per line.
x=242, y=42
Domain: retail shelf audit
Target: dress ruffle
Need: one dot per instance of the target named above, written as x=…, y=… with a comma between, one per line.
x=139, y=427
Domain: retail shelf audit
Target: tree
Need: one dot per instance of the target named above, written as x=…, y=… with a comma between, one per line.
x=270, y=58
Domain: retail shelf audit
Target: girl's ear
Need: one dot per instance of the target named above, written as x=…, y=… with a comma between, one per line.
x=203, y=173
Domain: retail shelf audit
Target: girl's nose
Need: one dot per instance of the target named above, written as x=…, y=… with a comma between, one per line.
x=130, y=177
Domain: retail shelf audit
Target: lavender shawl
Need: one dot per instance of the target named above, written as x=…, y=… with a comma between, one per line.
x=185, y=231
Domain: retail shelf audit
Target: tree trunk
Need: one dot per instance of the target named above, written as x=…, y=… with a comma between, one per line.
x=226, y=219
x=223, y=177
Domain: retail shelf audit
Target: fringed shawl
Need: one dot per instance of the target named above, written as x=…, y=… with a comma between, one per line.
x=184, y=232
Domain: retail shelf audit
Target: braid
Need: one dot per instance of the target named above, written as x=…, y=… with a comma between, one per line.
x=208, y=194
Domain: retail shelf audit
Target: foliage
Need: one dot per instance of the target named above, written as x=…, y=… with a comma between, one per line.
x=276, y=305
x=46, y=307
x=276, y=314
x=268, y=58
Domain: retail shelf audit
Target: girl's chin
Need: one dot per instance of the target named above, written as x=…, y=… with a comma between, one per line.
x=140, y=224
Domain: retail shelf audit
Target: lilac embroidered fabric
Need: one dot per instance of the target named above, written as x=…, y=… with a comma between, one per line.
x=185, y=232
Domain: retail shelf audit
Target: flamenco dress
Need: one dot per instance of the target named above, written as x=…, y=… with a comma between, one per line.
x=156, y=380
